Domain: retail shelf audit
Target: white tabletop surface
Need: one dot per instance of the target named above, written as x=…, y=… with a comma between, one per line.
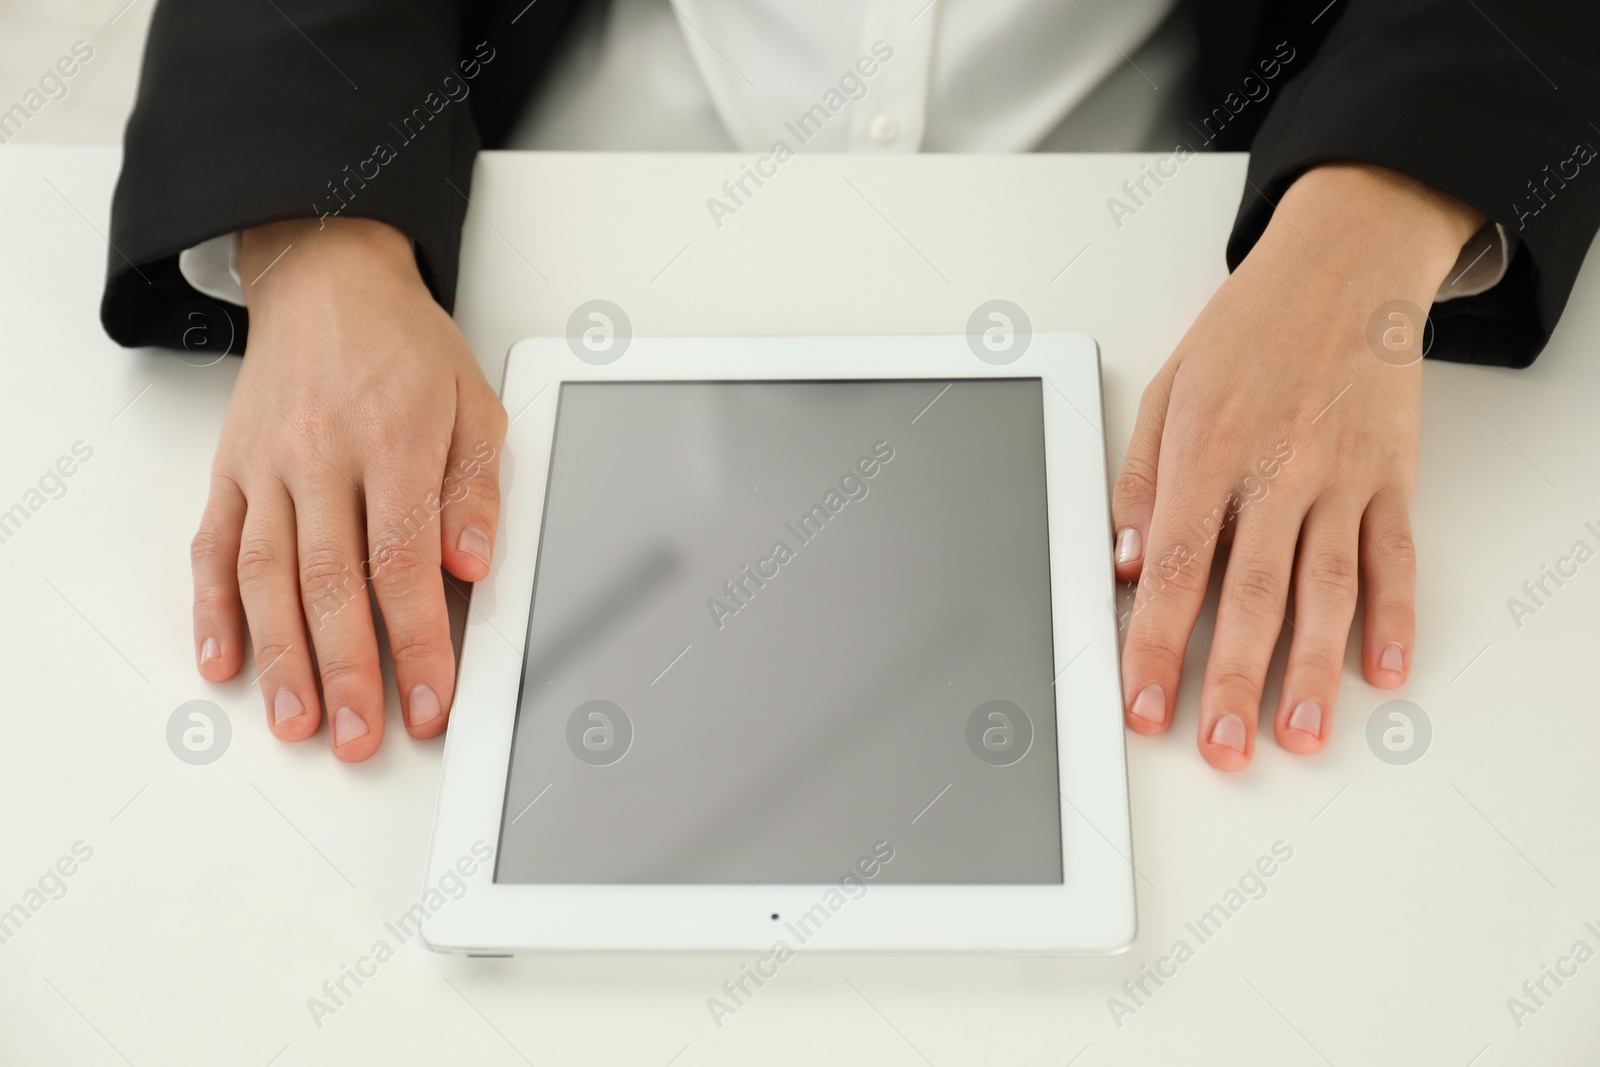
x=218, y=898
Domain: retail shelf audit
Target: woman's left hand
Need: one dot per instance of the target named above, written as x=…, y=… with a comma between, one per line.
x=1276, y=421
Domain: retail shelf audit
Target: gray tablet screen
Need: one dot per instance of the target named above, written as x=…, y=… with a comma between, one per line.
x=779, y=627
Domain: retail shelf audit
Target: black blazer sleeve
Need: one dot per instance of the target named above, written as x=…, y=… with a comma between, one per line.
x=250, y=111
x=1488, y=101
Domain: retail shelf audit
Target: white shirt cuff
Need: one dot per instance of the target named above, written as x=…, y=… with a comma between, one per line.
x=212, y=267
x=1481, y=264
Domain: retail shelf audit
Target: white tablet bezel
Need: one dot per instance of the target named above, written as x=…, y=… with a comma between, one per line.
x=1091, y=912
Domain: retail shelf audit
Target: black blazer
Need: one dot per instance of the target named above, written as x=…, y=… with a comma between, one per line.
x=251, y=112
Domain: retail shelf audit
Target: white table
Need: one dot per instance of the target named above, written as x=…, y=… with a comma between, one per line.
x=219, y=898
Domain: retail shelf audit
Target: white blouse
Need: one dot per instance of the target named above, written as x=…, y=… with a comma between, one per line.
x=864, y=76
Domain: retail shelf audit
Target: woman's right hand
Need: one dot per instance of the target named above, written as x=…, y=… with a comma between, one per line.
x=361, y=444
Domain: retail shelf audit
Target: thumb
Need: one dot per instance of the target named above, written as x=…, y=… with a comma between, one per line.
x=1133, y=500
x=471, y=488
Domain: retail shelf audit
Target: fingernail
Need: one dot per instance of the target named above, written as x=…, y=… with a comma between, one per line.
x=285, y=706
x=347, y=727
x=1392, y=660
x=1307, y=717
x=424, y=705
x=210, y=651
x=1128, y=545
x=1151, y=704
x=1228, y=732
x=475, y=542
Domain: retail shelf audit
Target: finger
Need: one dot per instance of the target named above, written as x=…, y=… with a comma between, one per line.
x=471, y=488
x=403, y=542
x=1250, y=618
x=333, y=594
x=218, y=612
x=269, y=583
x=1389, y=575
x=1134, y=499
x=1324, y=604
x=1172, y=586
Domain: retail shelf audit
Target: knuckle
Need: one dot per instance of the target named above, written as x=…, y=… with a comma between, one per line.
x=269, y=652
x=212, y=603
x=324, y=572
x=1255, y=587
x=403, y=528
x=1313, y=671
x=473, y=485
x=399, y=558
x=486, y=484
x=1234, y=680
x=413, y=649
x=340, y=670
x=396, y=431
x=1218, y=432
x=485, y=491
x=1137, y=483
x=207, y=544
x=1175, y=571
x=259, y=558
x=1153, y=649
x=1395, y=548
x=314, y=424
x=1331, y=573
x=483, y=411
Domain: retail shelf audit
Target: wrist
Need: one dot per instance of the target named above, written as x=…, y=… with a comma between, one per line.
x=282, y=259
x=1386, y=234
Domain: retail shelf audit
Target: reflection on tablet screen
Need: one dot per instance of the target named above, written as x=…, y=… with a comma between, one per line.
x=778, y=623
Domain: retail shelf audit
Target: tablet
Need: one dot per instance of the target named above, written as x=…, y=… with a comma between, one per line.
x=791, y=643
